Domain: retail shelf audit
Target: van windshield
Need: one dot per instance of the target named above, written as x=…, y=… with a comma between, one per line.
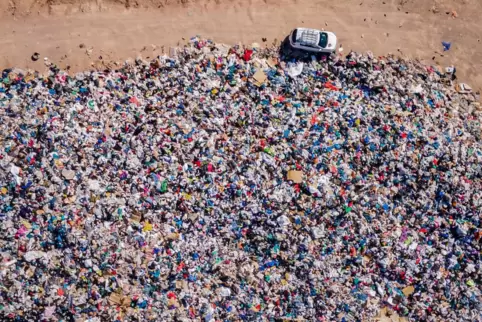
x=323, y=39
x=293, y=37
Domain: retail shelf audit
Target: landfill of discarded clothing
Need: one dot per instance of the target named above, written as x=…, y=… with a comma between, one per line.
x=239, y=184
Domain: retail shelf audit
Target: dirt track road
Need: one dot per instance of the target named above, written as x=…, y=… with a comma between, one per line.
x=121, y=29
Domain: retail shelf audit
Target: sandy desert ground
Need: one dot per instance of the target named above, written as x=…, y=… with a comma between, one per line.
x=83, y=33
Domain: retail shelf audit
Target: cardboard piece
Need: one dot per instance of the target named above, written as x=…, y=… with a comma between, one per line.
x=136, y=218
x=115, y=298
x=271, y=62
x=259, y=77
x=172, y=302
x=408, y=290
x=295, y=176
x=181, y=285
x=172, y=236
x=70, y=199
